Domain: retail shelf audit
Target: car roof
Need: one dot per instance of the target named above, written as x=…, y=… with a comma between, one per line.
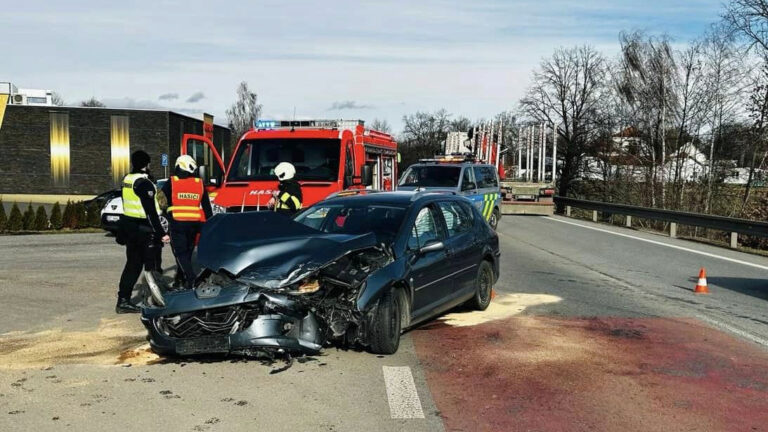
x=396, y=198
x=456, y=164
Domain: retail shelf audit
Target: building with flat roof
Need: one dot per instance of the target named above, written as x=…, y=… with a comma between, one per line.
x=79, y=151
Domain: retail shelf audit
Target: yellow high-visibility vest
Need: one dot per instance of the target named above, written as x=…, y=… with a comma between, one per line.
x=284, y=198
x=131, y=202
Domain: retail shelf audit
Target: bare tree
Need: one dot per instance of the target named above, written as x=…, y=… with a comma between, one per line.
x=243, y=112
x=568, y=93
x=749, y=20
x=92, y=102
x=724, y=71
x=56, y=99
x=423, y=135
x=649, y=70
x=381, y=125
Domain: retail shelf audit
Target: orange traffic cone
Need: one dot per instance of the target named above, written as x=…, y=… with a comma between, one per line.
x=493, y=294
x=701, y=287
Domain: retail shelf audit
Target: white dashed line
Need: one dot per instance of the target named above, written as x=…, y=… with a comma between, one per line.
x=746, y=263
x=403, y=398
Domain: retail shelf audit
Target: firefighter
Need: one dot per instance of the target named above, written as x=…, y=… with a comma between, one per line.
x=288, y=198
x=140, y=231
x=188, y=207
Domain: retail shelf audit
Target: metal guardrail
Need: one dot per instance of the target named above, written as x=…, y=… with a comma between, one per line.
x=733, y=225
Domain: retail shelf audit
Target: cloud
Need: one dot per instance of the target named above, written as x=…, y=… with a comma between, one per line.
x=196, y=97
x=344, y=105
x=131, y=103
x=168, y=96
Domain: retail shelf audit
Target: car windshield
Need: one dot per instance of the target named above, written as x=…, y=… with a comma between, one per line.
x=314, y=159
x=431, y=176
x=384, y=221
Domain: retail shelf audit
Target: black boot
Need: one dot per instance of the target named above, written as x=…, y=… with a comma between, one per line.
x=125, y=306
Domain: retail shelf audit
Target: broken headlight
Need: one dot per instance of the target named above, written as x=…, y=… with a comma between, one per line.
x=307, y=286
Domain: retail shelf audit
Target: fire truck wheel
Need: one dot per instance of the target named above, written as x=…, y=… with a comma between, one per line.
x=493, y=221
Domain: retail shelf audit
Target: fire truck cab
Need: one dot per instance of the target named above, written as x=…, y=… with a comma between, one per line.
x=329, y=156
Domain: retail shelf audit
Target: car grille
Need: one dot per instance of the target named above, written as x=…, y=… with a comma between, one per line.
x=219, y=321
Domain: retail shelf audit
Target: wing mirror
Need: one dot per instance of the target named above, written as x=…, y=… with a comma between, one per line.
x=366, y=174
x=432, y=247
x=203, y=174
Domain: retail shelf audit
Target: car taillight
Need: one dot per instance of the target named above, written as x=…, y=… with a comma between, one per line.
x=546, y=192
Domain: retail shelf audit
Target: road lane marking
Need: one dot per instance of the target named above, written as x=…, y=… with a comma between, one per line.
x=404, y=402
x=734, y=330
x=733, y=260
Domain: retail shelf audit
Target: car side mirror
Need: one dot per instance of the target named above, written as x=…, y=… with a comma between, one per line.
x=366, y=174
x=214, y=181
x=203, y=174
x=468, y=186
x=432, y=247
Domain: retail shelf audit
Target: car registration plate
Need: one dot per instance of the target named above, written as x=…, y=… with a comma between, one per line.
x=113, y=218
x=524, y=197
x=203, y=345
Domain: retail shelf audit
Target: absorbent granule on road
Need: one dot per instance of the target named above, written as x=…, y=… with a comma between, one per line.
x=114, y=341
x=600, y=374
x=503, y=306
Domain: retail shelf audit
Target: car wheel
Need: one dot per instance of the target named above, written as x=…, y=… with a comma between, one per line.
x=385, y=326
x=493, y=220
x=483, y=287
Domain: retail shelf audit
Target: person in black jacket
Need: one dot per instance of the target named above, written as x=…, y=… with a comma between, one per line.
x=288, y=198
x=140, y=231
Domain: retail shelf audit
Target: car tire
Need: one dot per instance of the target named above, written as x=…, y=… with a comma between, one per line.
x=386, y=325
x=483, y=287
x=493, y=220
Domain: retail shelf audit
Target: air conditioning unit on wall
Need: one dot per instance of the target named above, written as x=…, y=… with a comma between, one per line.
x=19, y=99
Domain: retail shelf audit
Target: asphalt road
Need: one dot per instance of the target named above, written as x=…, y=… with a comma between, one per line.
x=67, y=361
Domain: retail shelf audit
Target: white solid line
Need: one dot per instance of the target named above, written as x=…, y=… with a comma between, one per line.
x=739, y=332
x=404, y=402
x=762, y=267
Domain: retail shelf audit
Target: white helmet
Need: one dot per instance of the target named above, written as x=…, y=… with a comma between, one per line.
x=186, y=163
x=285, y=171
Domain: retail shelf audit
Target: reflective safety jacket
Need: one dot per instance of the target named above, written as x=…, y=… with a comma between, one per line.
x=131, y=202
x=186, y=197
x=288, y=197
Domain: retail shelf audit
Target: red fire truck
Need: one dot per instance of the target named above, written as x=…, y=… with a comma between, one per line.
x=329, y=156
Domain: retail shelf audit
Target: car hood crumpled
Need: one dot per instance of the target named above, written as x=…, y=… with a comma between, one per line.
x=269, y=250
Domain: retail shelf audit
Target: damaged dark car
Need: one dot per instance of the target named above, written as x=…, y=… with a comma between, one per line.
x=351, y=271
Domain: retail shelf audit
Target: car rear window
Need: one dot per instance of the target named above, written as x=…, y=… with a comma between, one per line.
x=431, y=176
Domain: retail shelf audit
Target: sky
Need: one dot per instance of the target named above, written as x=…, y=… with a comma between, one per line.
x=331, y=59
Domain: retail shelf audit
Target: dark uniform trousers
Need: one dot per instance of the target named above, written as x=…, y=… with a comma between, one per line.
x=141, y=250
x=183, y=236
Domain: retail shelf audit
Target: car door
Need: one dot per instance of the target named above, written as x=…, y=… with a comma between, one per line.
x=463, y=247
x=487, y=190
x=427, y=269
x=200, y=147
x=467, y=187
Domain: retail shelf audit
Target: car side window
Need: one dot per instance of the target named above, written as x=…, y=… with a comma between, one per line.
x=466, y=180
x=424, y=230
x=490, y=177
x=457, y=220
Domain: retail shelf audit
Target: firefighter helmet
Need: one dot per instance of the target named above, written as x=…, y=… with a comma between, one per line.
x=285, y=171
x=186, y=163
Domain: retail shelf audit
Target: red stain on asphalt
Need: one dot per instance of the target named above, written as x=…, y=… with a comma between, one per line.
x=606, y=374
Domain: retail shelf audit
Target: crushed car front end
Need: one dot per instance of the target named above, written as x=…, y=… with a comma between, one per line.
x=271, y=285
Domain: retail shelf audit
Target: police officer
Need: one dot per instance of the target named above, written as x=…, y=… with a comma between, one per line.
x=188, y=207
x=288, y=198
x=141, y=231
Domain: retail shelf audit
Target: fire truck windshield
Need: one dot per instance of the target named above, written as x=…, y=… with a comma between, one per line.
x=314, y=159
x=431, y=176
